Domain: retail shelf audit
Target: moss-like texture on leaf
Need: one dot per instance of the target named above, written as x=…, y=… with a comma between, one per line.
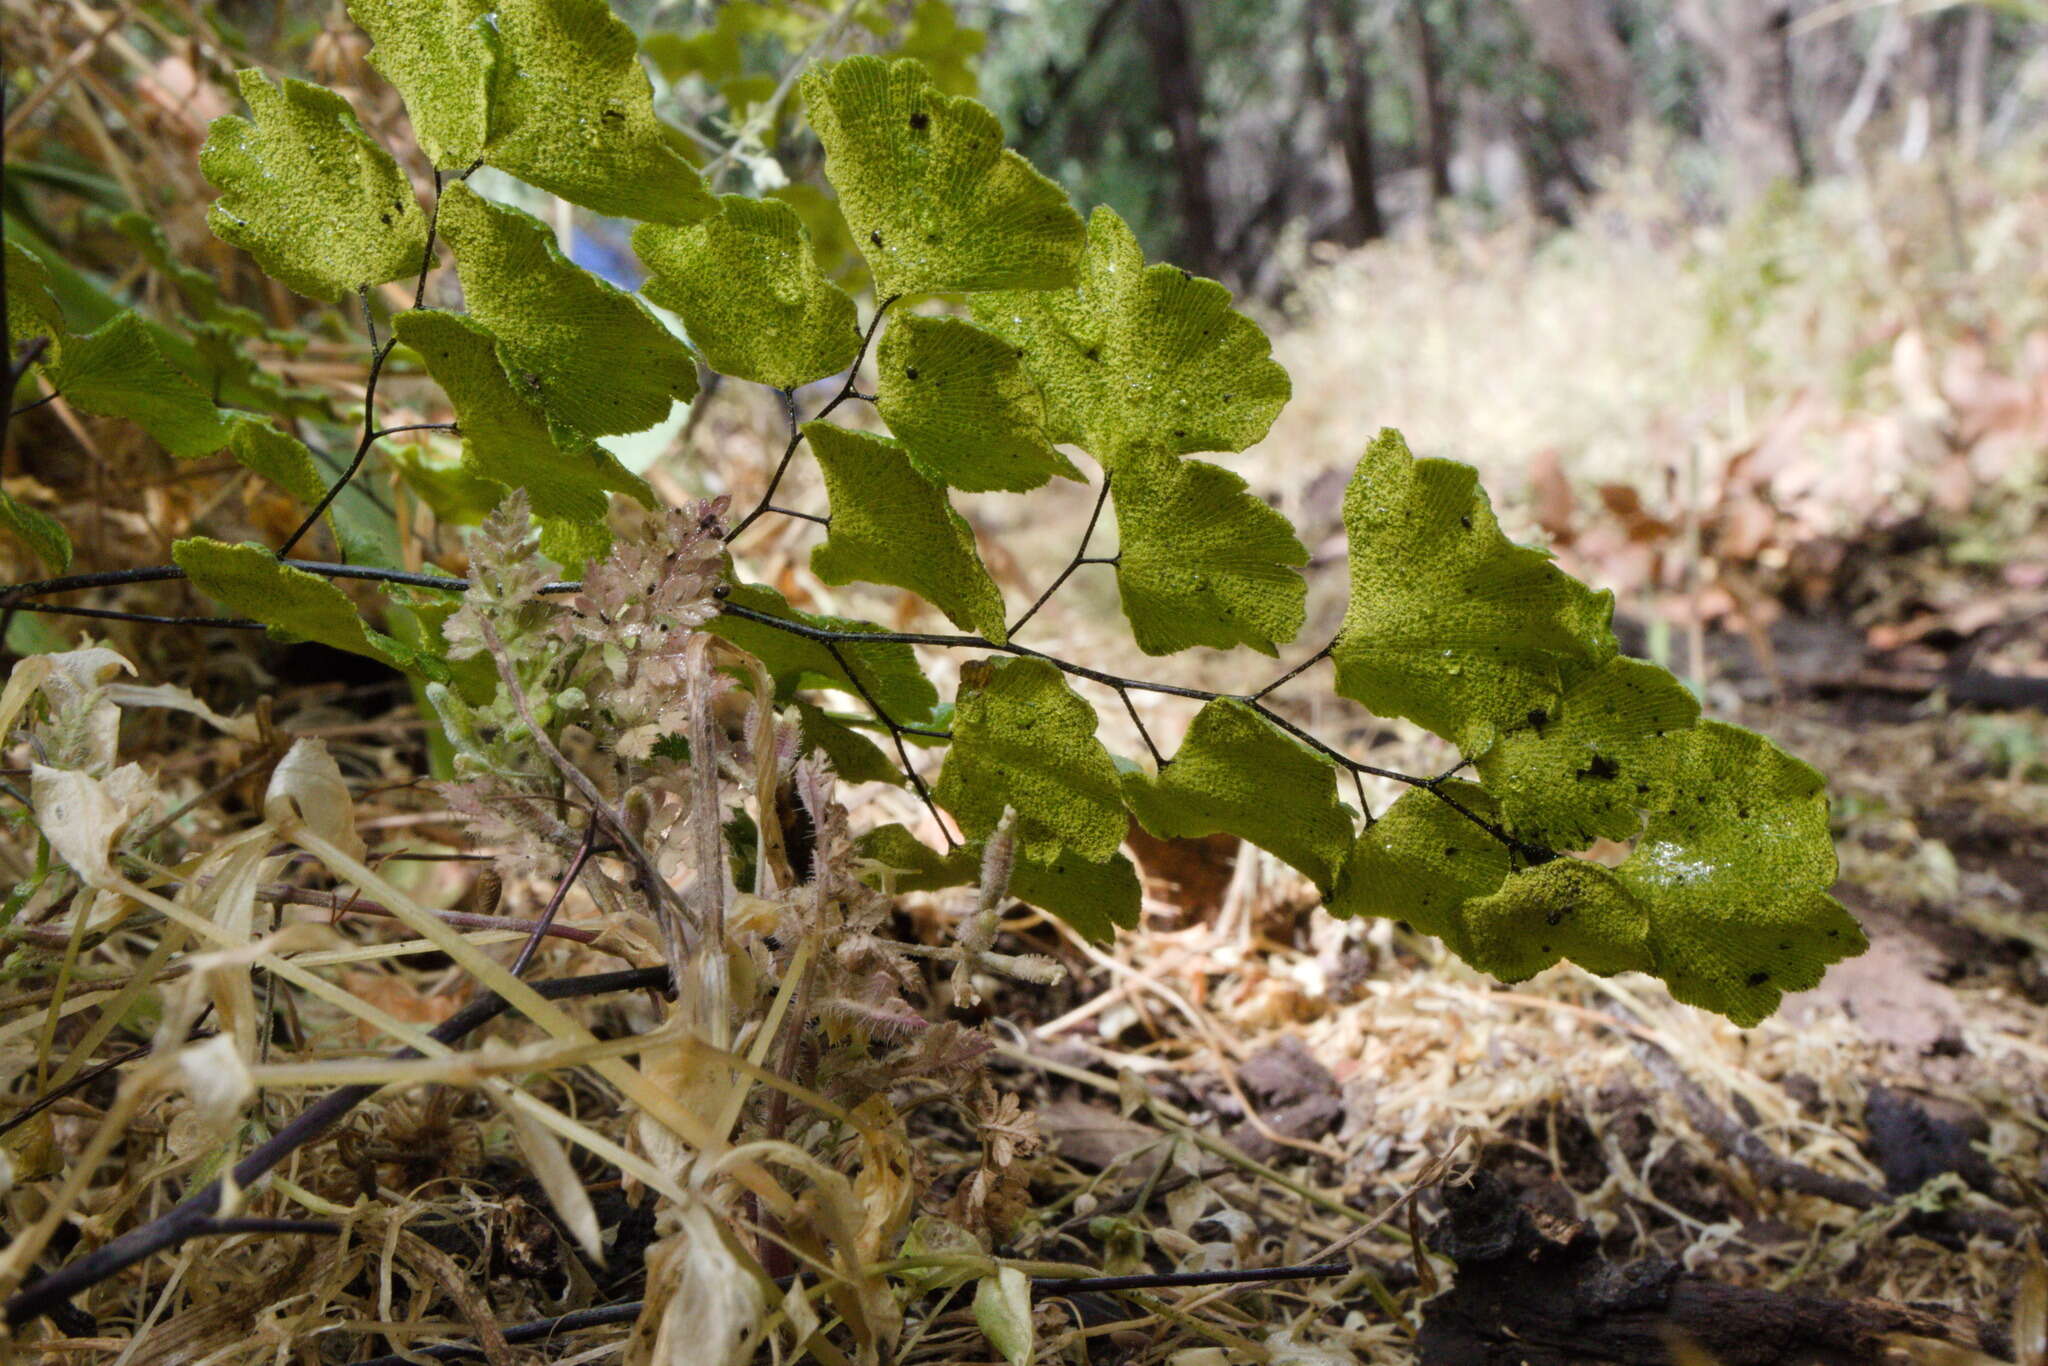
x=745, y=283
x=888, y=670
x=892, y=524
x=116, y=371
x=1566, y=908
x=1452, y=625
x=958, y=399
x=37, y=530
x=1021, y=738
x=507, y=439
x=249, y=580
x=1735, y=872
x=1422, y=861
x=551, y=91
x=323, y=209
x=935, y=201
x=575, y=114
x=854, y=757
x=1589, y=767
x=592, y=356
x=1237, y=773
x=443, y=57
x=1141, y=357
x=1203, y=561
x=1094, y=897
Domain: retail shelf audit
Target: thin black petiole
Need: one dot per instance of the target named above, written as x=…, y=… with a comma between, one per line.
x=802, y=516
x=896, y=734
x=1143, y=734
x=796, y=436
x=1080, y=558
x=1295, y=672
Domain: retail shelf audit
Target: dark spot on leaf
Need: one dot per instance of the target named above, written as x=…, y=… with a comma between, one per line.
x=1092, y=353
x=1642, y=789
x=875, y=237
x=1601, y=768
x=1784, y=946
x=1538, y=719
x=920, y=121
x=1450, y=851
x=1465, y=522
x=1544, y=948
x=1186, y=275
x=1757, y=979
x=910, y=372
x=1179, y=431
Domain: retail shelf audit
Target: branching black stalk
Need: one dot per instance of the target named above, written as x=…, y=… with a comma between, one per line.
x=896, y=733
x=847, y=391
x=194, y=1216
x=1080, y=558
x=146, y=618
x=831, y=638
x=378, y=355
x=1318, y=657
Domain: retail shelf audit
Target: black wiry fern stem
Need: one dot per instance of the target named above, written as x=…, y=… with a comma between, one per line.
x=848, y=390
x=833, y=638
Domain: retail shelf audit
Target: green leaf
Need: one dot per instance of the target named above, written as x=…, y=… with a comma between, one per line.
x=959, y=401
x=1566, y=908
x=248, y=580
x=117, y=371
x=323, y=209
x=593, y=356
x=1422, y=861
x=572, y=112
x=278, y=456
x=551, y=91
x=457, y=496
x=854, y=757
x=887, y=669
x=32, y=310
x=1735, y=872
x=1141, y=357
x=1023, y=739
x=1589, y=767
x=935, y=200
x=1237, y=773
x=1202, y=560
x=1094, y=898
x=748, y=288
x=443, y=57
x=37, y=530
x=505, y=436
x=1451, y=625
x=891, y=524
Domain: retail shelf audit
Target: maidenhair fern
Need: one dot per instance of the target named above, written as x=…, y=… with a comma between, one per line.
x=1067, y=337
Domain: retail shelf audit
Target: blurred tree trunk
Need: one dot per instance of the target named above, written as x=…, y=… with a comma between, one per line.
x=1434, y=108
x=1164, y=24
x=1749, y=50
x=1576, y=40
x=1352, y=98
x=1971, y=68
